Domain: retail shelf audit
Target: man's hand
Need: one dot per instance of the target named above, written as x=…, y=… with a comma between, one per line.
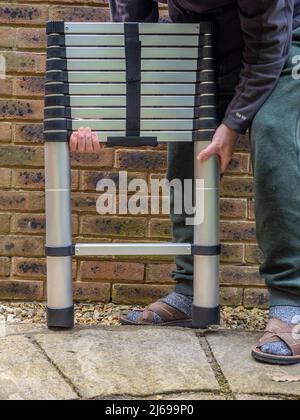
x=222, y=146
x=85, y=141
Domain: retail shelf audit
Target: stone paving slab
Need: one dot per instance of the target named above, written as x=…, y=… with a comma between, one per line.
x=26, y=374
x=232, y=351
x=26, y=329
x=193, y=397
x=130, y=361
x=185, y=396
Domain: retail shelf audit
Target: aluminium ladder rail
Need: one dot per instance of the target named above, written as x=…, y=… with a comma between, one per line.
x=135, y=85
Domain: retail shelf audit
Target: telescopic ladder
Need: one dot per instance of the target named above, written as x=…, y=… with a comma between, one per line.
x=135, y=85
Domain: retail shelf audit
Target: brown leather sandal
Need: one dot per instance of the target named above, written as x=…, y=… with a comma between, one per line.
x=278, y=330
x=170, y=316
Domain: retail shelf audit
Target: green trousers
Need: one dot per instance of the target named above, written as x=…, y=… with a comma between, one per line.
x=275, y=147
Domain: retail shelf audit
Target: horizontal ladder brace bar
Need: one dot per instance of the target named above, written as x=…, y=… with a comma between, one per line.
x=120, y=101
x=146, y=249
x=132, y=249
x=118, y=52
x=144, y=28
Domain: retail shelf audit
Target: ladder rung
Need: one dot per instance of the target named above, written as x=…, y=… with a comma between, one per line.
x=146, y=125
x=119, y=113
x=133, y=249
x=146, y=101
x=120, y=77
x=144, y=28
x=120, y=89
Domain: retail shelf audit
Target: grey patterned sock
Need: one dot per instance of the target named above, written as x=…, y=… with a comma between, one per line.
x=181, y=302
x=288, y=314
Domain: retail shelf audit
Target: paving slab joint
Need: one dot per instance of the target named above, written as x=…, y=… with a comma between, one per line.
x=54, y=365
x=225, y=389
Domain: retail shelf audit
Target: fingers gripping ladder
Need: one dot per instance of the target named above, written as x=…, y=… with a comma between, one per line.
x=135, y=85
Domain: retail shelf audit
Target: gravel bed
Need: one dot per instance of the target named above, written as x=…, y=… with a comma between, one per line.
x=108, y=314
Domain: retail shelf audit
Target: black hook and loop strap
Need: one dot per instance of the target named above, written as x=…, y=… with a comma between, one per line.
x=133, y=54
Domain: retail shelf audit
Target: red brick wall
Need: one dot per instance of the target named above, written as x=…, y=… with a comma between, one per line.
x=22, y=221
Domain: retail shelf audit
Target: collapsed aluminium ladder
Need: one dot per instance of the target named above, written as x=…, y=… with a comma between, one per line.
x=136, y=85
